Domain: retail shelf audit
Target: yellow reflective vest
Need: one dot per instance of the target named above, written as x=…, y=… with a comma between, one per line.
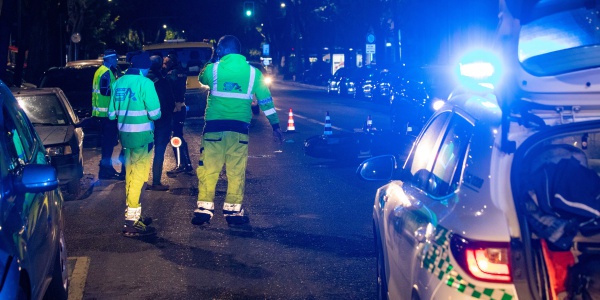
x=99, y=101
x=233, y=83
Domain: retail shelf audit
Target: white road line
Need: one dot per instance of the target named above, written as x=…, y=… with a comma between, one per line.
x=78, y=277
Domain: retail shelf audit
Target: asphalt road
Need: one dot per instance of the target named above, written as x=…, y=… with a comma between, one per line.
x=310, y=235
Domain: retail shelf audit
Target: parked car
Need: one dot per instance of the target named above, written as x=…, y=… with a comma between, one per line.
x=60, y=130
x=498, y=198
x=342, y=82
x=365, y=82
x=32, y=242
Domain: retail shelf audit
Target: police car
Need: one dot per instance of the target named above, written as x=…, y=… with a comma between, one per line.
x=500, y=195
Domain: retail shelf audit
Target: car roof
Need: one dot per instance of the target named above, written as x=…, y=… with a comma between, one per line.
x=35, y=91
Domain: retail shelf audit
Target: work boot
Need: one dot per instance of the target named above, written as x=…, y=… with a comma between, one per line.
x=202, y=216
x=137, y=228
x=235, y=218
x=146, y=220
x=110, y=173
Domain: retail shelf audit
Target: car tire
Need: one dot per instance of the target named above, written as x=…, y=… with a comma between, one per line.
x=73, y=188
x=59, y=286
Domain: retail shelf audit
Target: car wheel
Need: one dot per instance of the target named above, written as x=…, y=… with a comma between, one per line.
x=73, y=188
x=59, y=286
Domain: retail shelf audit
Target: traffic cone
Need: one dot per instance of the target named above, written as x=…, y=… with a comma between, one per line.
x=291, y=126
x=369, y=124
x=327, y=130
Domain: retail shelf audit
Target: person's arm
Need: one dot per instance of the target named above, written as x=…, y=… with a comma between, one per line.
x=266, y=104
x=105, y=84
x=112, y=109
x=151, y=100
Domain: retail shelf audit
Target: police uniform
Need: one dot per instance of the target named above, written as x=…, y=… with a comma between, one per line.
x=104, y=77
x=232, y=82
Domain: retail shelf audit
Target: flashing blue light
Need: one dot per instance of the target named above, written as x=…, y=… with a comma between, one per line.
x=479, y=69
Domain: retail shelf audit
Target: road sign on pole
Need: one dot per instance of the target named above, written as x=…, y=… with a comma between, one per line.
x=370, y=48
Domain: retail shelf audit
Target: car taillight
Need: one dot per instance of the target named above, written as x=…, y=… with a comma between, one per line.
x=486, y=261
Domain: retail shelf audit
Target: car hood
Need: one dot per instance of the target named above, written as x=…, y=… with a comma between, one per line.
x=52, y=135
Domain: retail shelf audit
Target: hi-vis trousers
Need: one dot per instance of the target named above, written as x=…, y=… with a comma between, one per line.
x=218, y=148
x=137, y=166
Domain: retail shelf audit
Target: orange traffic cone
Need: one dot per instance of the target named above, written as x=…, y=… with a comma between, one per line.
x=291, y=126
x=327, y=130
x=369, y=124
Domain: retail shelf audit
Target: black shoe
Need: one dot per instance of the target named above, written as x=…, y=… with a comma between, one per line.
x=137, y=228
x=186, y=169
x=236, y=218
x=157, y=187
x=110, y=173
x=201, y=216
x=146, y=220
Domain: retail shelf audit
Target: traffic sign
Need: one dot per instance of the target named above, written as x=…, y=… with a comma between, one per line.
x=176, y=142
x=370, y=49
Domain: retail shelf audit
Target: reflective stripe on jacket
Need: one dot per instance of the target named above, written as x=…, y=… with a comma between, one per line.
x=233, y=83
x=134, y=103
x=99, y=101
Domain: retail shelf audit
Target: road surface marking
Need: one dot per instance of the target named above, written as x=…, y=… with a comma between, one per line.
x=78, y=276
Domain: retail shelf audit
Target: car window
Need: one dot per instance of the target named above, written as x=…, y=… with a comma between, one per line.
x=44, y=109
x=424, y=153
x=17, y=130
x=446, y=169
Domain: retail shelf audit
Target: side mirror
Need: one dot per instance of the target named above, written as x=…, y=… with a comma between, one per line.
x=378, y=168
x=36, y=178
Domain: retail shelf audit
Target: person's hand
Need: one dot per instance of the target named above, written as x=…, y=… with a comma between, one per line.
x=178, y=106
x=278, y=136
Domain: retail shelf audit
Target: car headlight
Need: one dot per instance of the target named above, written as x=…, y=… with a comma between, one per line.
x=268, y=80
x=59, y=150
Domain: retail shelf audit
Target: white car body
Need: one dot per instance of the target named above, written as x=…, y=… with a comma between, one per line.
x=454, y=224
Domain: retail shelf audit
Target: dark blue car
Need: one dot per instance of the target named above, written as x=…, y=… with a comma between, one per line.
x=33, y=256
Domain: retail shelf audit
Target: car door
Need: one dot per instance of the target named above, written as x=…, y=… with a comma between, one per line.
x=431, y=177
x=29, y=211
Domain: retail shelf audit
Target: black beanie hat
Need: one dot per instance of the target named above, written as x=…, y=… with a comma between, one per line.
x=141, y=60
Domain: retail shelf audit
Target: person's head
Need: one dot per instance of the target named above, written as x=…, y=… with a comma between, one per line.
x=110, y=58
x=157, y=63
x=228, y=44
x=170, y=61
x=141, y=61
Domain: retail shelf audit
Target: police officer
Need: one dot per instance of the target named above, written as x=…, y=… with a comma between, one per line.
x=135, y=105
x=104, y=77
x=177, y=76
x=232, y=83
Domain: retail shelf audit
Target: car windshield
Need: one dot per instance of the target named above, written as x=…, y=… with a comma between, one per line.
x=560, y=40
x=43, y=109
x=192, y=59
